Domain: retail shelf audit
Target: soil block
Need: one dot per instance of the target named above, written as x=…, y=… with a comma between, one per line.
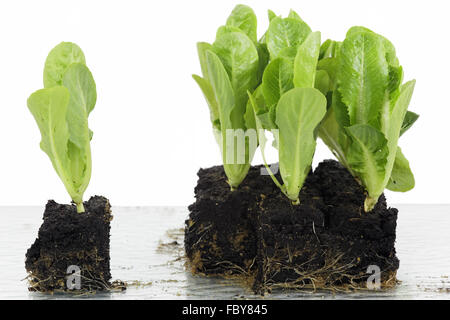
x=220, y=234
x=67, y=238
x=326, y=242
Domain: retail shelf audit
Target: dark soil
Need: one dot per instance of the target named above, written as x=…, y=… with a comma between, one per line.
x=67, y=238
x=220, y=235
x=327, y=241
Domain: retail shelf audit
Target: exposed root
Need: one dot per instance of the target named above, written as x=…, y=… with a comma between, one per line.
x=92, y=281
x=93, y=286
x=334, y=276
x=138, y=284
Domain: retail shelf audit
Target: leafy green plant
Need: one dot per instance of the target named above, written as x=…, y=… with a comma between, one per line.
x=367, y=111
x=231, y=66
x=61, y=111
x=287, y=103
x=349, y=93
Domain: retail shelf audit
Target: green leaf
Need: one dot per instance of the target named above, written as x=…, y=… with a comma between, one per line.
x=367, y=156
x=249, y=117
x=83, y=96
x=333, y=136
x=402, y=178
x=391, y=55
x=259, y=104
x=227, y=29
x=224, y=95
x=294, y=15
x=263, y=60
x=305, y=63
x=322, y=82
x=298, y=113
x=271, y=15
x=285, y=33
x=395, y=124
x=244, y=18
x=49, y=109
x=328, y=49
x=273, y=114
x=240, y=59
x=202, y=47
x=61, y=111
x=340, y=109
x=261, y=109
x=331, y=66
x=210, y=99
x=395, y=81
x=262, y=138
x=368, y=111
x=277, y=79
x=222, y=89
x=58, y=60
x=363, y=76
x=399, y=112
x=410, y=119
x=357, y=29
x=288, y=53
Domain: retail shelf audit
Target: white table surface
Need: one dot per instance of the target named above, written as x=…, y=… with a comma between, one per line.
x=143, y=250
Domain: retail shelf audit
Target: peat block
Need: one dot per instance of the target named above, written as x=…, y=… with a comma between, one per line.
x=255, y=232
x=67, y=238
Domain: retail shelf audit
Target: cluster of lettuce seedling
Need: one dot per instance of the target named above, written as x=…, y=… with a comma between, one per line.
x=350, y=94
x=61, y=111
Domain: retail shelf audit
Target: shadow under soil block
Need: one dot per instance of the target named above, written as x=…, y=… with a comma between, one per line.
x=67, y=238
x=326, y=242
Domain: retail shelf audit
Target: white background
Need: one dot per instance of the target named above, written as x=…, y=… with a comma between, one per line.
x=151, y=125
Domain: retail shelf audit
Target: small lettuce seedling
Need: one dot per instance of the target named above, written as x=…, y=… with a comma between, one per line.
x=61, y=111
x=367, y=111
x=287, y=103
x=231, y=66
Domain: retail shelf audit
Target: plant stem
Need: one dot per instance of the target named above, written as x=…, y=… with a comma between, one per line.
x=80, y=207
x=370, y=203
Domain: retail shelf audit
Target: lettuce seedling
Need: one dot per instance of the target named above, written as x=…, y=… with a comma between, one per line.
x=61, y=111
x=287, y=103
x=231, y=66
x=367, y=111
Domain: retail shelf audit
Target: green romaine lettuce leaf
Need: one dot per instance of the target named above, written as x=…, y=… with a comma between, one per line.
x=299, y=112
x=239, y=56
x=402, y=178
x=410, y=119
x=277, y=79
x=244, y=18
x=271, y=15
x=225, y=97
x=322, y=82
x=49, y=108
x=58, y=60
x=61, y=111
x=363, y=76
x=83, y=96
x=305, y=63
x=367, y=156
x=231, y=66
x=368, y=111
x=202, y=47
x=285, y=33
x=210, y=99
